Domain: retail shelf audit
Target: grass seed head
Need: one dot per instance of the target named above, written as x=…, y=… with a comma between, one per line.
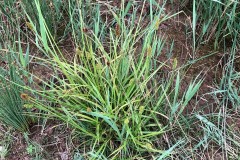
x=117, y=30
x=29, y=26
x=141, y=109
x=89, y=109
x=149, y=51
x=175, y=62
x=126, y=121
x=24, y=96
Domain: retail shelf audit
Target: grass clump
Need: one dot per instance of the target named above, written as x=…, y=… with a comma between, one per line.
x=113, y=93
x=11, y=101
x=113, y=88
x=218, y=20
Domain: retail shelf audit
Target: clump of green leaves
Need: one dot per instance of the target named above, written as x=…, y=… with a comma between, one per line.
x=114, y=94
x=53, y=13
x=11, y=103
x=218, y=20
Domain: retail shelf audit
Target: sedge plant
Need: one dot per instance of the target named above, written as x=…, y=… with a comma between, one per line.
x=11, y=102
x=113, y=92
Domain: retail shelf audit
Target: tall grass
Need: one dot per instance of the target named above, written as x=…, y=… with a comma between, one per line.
x=53, y=13
x=222, y=126
x=113, y=92
x=11, y=102
x=218, y=20
x=219, y=23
